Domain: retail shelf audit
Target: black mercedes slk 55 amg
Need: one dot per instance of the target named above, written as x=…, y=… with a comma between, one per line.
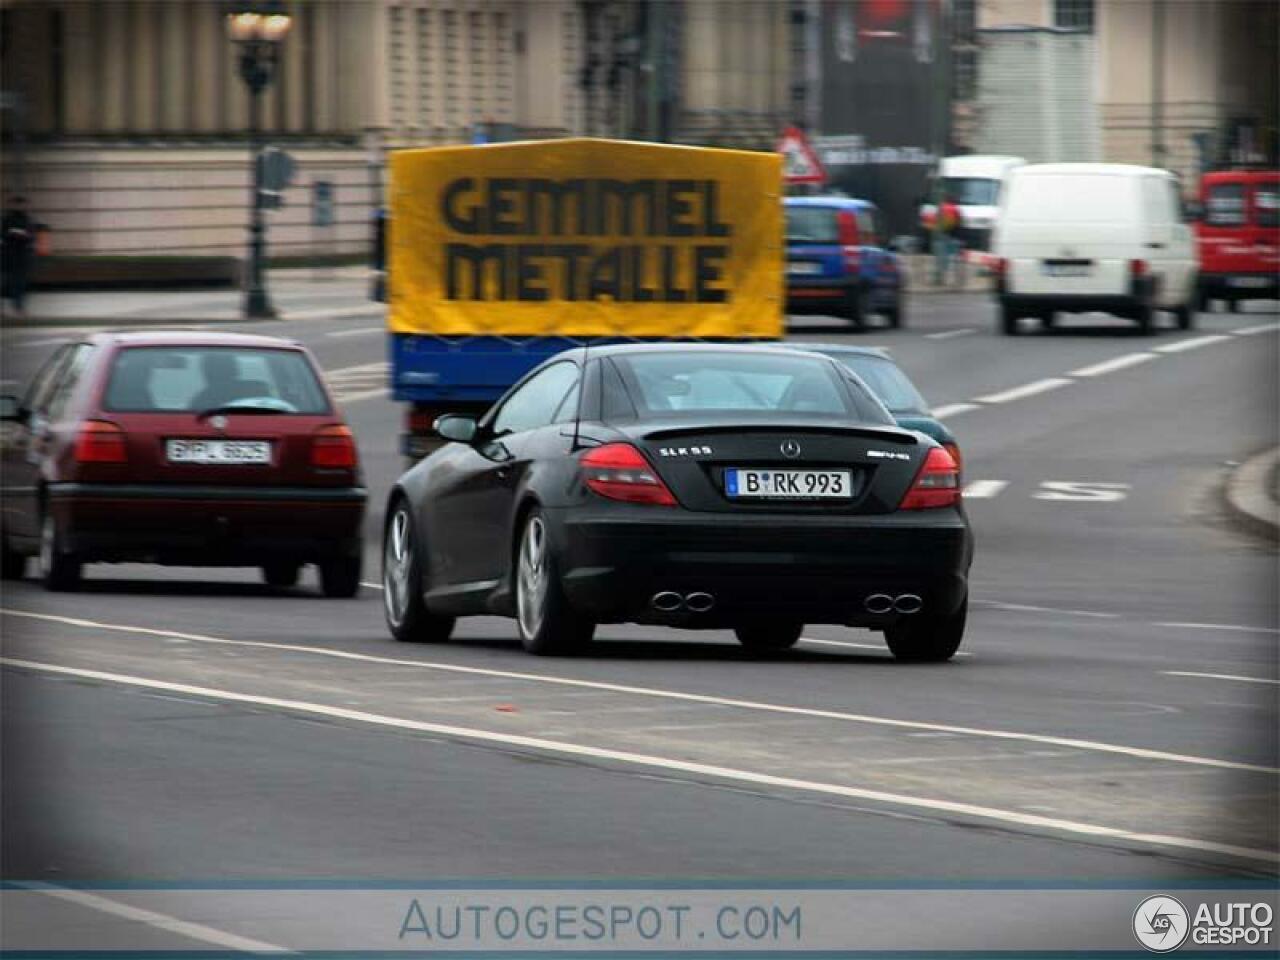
x=689, y=485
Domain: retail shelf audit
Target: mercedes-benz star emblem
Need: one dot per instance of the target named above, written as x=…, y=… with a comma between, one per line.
x=790, y=449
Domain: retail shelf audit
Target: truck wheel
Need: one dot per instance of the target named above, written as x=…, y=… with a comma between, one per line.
x=1008, y=321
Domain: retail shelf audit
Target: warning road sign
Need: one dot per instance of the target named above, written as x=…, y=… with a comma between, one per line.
x=800, y=164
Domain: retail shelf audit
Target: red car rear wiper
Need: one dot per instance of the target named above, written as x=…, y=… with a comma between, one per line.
x=236, y=408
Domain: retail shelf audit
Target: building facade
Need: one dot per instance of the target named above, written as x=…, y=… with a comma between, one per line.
x=124, y=121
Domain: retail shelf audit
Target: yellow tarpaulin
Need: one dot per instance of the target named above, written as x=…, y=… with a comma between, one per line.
x=586, y=238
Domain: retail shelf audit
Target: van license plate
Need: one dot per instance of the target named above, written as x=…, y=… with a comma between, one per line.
x=1066, y=269
x=804, y=268
x=218, y=451
x=788, y=484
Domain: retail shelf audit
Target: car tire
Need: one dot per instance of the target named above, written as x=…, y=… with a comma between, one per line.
x=340, y=577
x=406, y=612
x=925, y=638
x=1048, y=319
x=1145, y=315
x=769, y=636
x=281, y=574
x=1233, y=305
x=855, y=307
x=1203, y=302
x=59, y=570
x=1008, y=321
x=895, y=314
x=13, y=565
x=1185, y=316
x=548, y=624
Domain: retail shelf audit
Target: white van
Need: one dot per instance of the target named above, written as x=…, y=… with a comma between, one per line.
x=1093, y=236
x=973, y=183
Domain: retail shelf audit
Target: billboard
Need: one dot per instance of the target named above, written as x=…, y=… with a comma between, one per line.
x=879, y=101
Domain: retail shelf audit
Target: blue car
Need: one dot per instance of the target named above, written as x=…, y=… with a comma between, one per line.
x=837, y=263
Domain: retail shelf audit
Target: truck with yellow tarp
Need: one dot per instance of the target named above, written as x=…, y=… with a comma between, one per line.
x=502, y=255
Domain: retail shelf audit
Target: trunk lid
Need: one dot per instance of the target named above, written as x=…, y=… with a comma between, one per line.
x=692, y=459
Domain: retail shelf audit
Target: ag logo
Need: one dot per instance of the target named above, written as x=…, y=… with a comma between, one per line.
x=1161, y=923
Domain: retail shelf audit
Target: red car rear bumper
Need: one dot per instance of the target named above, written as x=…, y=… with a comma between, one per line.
x=208, y=526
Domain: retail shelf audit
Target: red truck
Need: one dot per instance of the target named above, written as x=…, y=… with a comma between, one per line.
x=1238, y=234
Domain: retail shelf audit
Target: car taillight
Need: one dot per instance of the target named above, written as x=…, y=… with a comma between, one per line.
x=847, y=225
x=936, y=485
x=618, y=471
x=1138, y=268
x=100, y=442
x=954, y=450
x=333, y=447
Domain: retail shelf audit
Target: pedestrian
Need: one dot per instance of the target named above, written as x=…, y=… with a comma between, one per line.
x=17, y=251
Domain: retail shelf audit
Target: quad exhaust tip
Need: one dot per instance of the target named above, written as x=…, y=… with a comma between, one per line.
x=905, y=603
x=668, y=601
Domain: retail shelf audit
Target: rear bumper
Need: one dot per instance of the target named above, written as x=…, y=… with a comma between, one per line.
x=208, y=526
x=815, y=569
x=809, y=293
x=1027, y=304
x=1241, y=285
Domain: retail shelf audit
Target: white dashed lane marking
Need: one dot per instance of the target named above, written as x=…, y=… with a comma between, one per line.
x=949, y=334
x=953, y=409
x=1026, y=390
x=984, y=489
x=1194, y=343
x=1122, y=362
x=1218, y=676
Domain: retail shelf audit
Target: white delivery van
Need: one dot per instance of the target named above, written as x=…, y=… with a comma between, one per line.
x=1076, y=237
x=973, y=183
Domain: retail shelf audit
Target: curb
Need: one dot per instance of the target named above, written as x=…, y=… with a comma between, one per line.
x=36, y=324
x=1249, y=497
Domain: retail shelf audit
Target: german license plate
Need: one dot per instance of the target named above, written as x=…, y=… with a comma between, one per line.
x=1066, y=269
x=803, y=268
x=743, y=484
x=218, y=451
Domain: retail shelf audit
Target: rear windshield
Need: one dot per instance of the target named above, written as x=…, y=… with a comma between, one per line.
x=812, y=225
x=699, y=382
x=971, y=191
x=887, y=382
x=194, y=379
x=1072, y=198
x=1224, y=205
x=1266, y=201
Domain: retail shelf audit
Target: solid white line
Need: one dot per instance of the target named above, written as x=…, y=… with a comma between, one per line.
x=370, y=584
x=1179, y=345
x=1218, y=676
x=346, y=398
x=983, y=489
x=948, y=334
x=1089, y=745
x=184, y=928
x=357, y=332
x=1260, y=328
x=951, y=409
x=862, y=646
x=1110, y=366
x=1029, y=608
x=1219, y=626
x=936, y=805
x=1026, y=390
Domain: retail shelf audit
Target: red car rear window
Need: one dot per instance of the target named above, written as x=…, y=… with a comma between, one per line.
x=184, y=379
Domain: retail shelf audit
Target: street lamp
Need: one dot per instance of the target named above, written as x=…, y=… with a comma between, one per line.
x=257, y=29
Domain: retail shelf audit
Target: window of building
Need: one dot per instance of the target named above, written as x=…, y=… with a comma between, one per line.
x=424, y=58
x=396, y=54
x=964, y=50
x=1073, y=15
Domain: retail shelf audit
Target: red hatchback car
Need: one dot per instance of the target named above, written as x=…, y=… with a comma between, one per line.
x=199, y=449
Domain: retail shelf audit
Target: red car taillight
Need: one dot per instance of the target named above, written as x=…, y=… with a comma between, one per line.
x=100, y=442
x=954, y=450
x=618, y=471
x=847, y=224
x=333, y=447
x=936, y=485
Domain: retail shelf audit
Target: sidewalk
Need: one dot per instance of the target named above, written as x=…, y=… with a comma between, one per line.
x=298, y=294
x=1253, y=494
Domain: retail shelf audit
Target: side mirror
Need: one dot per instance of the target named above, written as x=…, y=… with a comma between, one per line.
x=11, y=409
x=457, y=428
